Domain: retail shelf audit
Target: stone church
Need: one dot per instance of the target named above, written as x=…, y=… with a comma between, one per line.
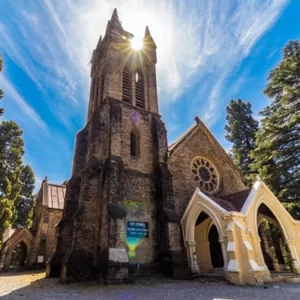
x=32, y=247
x=136, y=205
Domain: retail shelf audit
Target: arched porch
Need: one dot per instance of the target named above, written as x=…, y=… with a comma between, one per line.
x=209, y=253
x=279, y=249
x=202, y=224
x=276, y=253
x=237, y=233
x=15, y=250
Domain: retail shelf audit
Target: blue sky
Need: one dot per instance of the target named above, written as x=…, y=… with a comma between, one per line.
x=208, y=53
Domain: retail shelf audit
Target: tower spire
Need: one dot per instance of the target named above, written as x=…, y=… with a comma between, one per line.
x=148, y=39
x=99, y=42
x=114, y=25
x=114, y=18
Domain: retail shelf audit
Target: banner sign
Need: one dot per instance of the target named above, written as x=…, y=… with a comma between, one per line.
x=137, y=229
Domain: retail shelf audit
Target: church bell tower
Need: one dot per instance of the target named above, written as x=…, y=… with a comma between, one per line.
x=120, y=196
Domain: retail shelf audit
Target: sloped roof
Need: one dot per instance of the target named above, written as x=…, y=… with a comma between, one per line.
x=181, y=138
x=232, y=202
x=227, y=205
x=238, y=199
x=56, y=196
x=53, y=195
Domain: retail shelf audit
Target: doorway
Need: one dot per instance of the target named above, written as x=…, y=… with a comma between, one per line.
x=19, y=255
x=273, y=244
x=215, y=248
x=209, y=253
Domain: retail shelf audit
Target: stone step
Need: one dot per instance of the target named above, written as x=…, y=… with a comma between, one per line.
x=285, y=277
x=292, y=279
x=284, y=274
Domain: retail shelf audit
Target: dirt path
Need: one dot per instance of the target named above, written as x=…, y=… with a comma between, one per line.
x=34, y=286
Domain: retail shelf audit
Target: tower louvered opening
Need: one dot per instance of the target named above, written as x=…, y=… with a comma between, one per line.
x=126, y=87
x=139, y=90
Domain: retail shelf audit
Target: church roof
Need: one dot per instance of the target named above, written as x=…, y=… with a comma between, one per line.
x=181, y=138
x=53, y=195
x=56, y=196
x=232, y=202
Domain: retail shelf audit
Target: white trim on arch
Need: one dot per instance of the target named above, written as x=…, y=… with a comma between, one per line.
x=284, y=223
x=192, y=218
x=205, y=197
x=279, y=212
x=189, y=226
x=256, y=187
x=197, y=192
x=254, y=193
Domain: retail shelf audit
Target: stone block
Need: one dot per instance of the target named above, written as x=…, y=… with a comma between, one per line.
x=117, y=255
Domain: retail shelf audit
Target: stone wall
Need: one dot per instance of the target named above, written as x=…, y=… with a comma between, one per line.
x=45, y=232
x=105, y=173
x=200, y=143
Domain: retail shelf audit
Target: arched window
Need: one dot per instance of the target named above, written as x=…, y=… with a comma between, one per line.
x=139, y=90
x=134, y=143
x=126, y=88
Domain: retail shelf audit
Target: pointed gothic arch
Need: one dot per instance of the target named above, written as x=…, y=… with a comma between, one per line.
x=22, y=236
x=281, y=221
x=19, y=255
x=189, y=219
x=279, y=212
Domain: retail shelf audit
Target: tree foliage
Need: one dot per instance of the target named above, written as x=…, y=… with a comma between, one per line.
x=241, y=128
x=1, y=92
x=25, y=200
x=277, y=155
x=16, y=180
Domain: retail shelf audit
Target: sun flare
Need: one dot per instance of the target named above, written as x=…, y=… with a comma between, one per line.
x=136, y=43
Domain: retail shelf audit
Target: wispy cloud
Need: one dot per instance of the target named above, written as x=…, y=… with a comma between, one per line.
x=30, y=116
x=197, y=40
x=200, y=45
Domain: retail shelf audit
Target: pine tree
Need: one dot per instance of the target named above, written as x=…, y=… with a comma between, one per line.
x=1, y=92
x=277, y=156
x=241, y=128
x=11, y=151
x=25, y=201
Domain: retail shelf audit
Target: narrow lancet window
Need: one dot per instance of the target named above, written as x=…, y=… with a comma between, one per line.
x=134, y=144
x=126, y=89
x=139, y=90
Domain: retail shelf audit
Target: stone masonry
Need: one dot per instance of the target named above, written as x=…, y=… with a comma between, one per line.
x=107, y=177
x=40, y=240
x=125, y=175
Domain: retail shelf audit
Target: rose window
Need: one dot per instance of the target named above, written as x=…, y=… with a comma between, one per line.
x=205, y=174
